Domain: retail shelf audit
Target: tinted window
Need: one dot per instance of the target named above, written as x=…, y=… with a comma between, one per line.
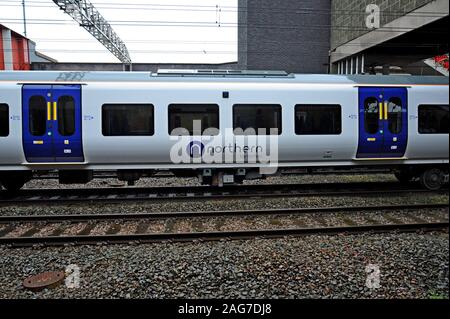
x=193, y=119
x=38, y=115
x=318, y=120
x=395, y=115
x=66, y=115
x=257, y=119
x=371, y=115
x=127, y=120
x=4, y=120
x=433, y=119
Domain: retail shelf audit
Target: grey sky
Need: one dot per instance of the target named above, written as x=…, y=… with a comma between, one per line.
x=171, y=40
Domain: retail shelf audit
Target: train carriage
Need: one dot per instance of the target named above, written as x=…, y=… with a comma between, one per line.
x=77, y=123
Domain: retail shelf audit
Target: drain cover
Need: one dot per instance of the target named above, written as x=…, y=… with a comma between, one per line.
x=44, y=280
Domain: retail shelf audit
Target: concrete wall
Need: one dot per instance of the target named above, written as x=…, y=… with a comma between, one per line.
x=349, y=16
x=289, y=35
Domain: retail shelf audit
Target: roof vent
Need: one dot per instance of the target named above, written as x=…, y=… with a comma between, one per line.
x=222, y=73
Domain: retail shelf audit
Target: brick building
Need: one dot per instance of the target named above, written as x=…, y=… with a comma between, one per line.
x=291, y=35
x=321, y=36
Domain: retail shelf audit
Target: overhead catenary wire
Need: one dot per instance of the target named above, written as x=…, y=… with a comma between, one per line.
x=213, y=8
x=231, y=43
x=204, y=24
x=213, y=24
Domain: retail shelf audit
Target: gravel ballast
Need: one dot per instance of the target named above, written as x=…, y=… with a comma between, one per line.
x=411, y=266
x=221, y=205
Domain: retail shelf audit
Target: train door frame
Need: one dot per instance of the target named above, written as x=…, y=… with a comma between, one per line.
x=379, y=122
x=52, y=145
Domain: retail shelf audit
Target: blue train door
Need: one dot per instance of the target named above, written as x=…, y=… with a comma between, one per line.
x=52, y=123
x=383, y=122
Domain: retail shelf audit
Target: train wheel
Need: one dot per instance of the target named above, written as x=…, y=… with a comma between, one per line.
x=432, y=179
x=404, y=177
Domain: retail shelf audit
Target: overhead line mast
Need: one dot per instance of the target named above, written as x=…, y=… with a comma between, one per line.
x=88, y=17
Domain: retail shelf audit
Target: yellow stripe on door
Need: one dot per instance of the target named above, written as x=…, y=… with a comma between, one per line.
x=54, y=111
x=49, y=111
x=385, y=110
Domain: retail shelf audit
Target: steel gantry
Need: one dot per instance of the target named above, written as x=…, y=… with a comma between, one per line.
x=84, y=12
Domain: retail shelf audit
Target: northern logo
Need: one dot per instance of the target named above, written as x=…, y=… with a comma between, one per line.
x=195, y=149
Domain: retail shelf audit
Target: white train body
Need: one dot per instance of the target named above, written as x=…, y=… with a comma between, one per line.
x=343, y=148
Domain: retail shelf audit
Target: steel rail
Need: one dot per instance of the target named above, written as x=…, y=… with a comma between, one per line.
x=214, y=236
x=46, y=196
x=290, y=211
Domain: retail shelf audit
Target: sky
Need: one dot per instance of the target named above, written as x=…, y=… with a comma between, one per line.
x=154, y=31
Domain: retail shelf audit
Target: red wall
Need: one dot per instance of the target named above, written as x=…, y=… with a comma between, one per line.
x=15, y=52
x=21, y=59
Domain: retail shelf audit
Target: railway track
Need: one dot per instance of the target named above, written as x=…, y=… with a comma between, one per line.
x=111, y=194
x=218, y=225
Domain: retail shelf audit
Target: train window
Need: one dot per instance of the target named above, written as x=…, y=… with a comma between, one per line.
x=66, y=115
x=4, y=120
x=433, y=119
x=193, y=119
x=395, y=120
x=37, y=115
x=318, y=120
x=371, y=115
x=257, y=119
x=128, y=120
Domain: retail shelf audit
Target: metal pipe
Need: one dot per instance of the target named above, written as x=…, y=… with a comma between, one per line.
x=362, y=64
x=357, y=64
x=24, y=19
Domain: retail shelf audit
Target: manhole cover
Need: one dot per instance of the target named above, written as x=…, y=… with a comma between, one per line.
x=44, y=280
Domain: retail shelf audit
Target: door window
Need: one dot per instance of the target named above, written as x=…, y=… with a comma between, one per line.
x=66, y=116
x=395, y=115
x=37, y=115
x=371, y=115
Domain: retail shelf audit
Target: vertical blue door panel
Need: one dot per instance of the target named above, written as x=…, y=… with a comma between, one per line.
x=68, y=148
x=37, y=147
x=54, y=145
x=395, y=142
x=386, y=137
x=370, y=143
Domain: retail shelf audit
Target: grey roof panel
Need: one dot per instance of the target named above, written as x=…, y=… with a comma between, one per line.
x=85, y=77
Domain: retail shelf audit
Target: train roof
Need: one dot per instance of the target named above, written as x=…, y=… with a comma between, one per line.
x=218, y=76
